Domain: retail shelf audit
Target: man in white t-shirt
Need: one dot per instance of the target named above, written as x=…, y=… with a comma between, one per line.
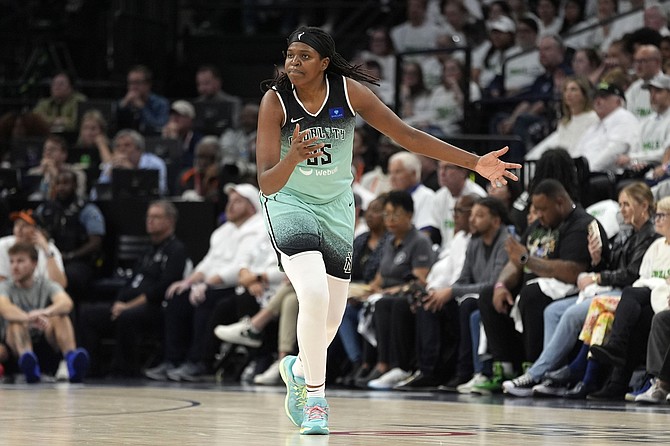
x=616, y=133
x=647, y=63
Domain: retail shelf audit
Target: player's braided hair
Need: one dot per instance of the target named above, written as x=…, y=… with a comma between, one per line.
x=324, y=44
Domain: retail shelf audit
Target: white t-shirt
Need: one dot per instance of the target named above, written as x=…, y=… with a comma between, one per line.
x=566, y=135
x=618, y=133
x=655, y=134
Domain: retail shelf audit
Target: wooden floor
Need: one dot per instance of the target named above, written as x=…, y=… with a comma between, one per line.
x=142, y=413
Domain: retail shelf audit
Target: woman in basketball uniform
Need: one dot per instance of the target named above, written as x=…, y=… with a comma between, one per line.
x=304, y=153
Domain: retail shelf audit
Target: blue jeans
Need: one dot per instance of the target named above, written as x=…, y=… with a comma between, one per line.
x=563, y=321
x=481, y=364
x=348, y=333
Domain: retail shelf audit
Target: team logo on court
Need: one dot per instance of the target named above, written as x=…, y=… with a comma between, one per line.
x=347, y=263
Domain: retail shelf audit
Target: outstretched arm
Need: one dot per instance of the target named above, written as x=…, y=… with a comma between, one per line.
x=378, y=115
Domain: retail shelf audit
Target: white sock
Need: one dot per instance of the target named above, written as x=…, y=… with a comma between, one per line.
x=317, y=392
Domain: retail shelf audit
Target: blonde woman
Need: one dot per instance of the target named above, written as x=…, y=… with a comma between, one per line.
x=578, y=115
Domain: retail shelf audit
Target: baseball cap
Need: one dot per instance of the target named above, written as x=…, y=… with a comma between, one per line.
x=247, y=190
x=607, y=89
x=183, y=108
x=25, y=215
x=503, y=24
x=661, y=81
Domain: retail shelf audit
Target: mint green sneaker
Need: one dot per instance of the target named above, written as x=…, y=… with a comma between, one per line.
x=296, y=390
x=315, y=417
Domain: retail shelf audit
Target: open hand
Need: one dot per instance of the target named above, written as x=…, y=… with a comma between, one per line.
x=496, y=171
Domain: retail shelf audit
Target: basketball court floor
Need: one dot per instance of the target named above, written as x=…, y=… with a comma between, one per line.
x=147, y=413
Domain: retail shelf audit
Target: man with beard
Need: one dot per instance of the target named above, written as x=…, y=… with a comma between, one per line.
x=77, y=228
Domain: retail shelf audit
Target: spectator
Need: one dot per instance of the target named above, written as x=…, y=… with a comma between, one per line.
x=15, y=126
x=54, y=157
x=656, y=18
x=380, y=49
x=654, y=151
x=488, y=58
x=376, y=181
x=202, y=182
x=60, y=108
x=550, y=20
x=238, y=144
x=209, y=85
x=50, y=260
x=657, y=360
x=394, y=323
x=587, y=63
x=180, y=128
x=522, y=66
x=92, y=130
x=136, y=313
x=647, y=62
x=578, y=115
x=418, y=32
x=552, y=250
x=454, y=183
x=141, y=109
x=128, y=153
x=414, y=95
x=35, y=310
x=437, y=336
x=77, y=228
x=191, y=300
x=405, y=175
x=616, y=133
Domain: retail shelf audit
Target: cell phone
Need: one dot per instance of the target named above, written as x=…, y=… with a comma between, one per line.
x=594, y=231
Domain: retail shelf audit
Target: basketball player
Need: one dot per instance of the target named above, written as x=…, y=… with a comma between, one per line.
x=304, y=153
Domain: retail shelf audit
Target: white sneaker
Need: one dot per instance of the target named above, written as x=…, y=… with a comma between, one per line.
x=240, y=332
x=270, y=377
x=654, y=395
x=62, y=373
x=476, y=380
x=389, y=379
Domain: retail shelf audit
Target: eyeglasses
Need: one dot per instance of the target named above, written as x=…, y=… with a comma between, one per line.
x=461, y=210
x=647, y=60
x=660, y=216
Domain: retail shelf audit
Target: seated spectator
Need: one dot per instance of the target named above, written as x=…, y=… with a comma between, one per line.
x=653, y=153
x=439, y=342
x=92, y=127
x=376, y=181
x=488, y=58
x=380, y=49
x=202, y=181
x=455, y=182
x=180, y=127
x=522, y=66
x=77, y=227
x=647, y=63
x=552, y=250
x=406, y=256
x=136, y=313
x=128, y=153
x=141, y=109
x=36, y=309
x=405, y=175
x=365, y=263
x=587, y=63
x=554, y=163
x=60, y=108
x=15, y=126
x=191, y=301
x=550, y=20
x=578, y=115
x=54, y=157
x=209, y=85
x=25, y=230
x=414, y=95
x=616, y=133
x=238, y=144
x=447, y=101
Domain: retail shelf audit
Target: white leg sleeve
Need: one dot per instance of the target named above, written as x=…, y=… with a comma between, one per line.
x=338, y=291
x=307, y=273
